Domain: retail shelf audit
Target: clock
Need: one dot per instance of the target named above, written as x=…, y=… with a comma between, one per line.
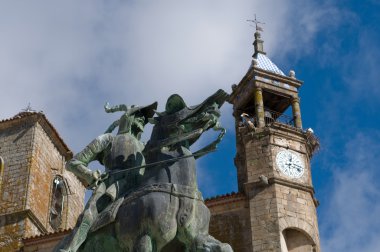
x=290, y=164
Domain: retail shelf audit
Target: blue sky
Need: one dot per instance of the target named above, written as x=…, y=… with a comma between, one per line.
x=68, y=58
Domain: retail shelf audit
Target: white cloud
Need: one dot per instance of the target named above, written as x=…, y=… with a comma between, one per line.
x=351, y=218
x=361, y=67
x=68, y=58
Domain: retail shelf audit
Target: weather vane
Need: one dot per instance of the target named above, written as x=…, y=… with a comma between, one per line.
x=257, y=22
x=28, y=108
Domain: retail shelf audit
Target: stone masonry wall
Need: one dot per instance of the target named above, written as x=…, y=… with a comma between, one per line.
x=47, y=162
x=275, y=208
x=240, y=158
x=296, y=210
x=16, y=150
x=230, y=223
x=258, y=156
x=12, y=227
x=264, y=221
x=31, y=162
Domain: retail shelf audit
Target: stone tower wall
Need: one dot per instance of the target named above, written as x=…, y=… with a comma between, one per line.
x=282, y=203
x=47, y=162
x=33, y=155
x=297, y=210
x=264, y=221
x=258, y=160
x=16, y=150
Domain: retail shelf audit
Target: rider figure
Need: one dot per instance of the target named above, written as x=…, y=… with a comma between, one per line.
x=118, y=152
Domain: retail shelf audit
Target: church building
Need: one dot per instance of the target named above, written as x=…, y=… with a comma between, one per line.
x=273, y=210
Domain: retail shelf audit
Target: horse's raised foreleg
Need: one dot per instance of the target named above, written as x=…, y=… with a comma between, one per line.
x=144, y=244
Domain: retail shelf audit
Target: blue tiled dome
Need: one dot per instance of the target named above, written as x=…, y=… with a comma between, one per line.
x=263, y=62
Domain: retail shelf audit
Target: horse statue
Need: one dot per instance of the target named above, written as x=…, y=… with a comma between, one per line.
x=164, y=210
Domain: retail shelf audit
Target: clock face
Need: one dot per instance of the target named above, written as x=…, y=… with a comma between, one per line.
x=290, y=164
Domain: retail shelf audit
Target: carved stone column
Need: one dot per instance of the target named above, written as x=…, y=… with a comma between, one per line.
x=259, y=107
x=296, y=112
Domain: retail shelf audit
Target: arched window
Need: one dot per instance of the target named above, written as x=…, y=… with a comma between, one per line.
x=58, y=203
x=298, y=241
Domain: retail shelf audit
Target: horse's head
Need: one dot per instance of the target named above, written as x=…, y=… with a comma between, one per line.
x=183, y=125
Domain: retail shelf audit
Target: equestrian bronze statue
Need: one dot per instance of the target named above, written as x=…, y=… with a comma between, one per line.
x=148, y=199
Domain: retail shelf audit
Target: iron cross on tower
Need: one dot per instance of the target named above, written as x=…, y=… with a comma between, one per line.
x=256, y=22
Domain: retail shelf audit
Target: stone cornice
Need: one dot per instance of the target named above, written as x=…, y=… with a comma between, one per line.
x=282, y=130
x=225, y=199
x=255, y=184
x=255, y=71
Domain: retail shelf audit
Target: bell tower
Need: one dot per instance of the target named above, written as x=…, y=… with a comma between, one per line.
x=273, y=157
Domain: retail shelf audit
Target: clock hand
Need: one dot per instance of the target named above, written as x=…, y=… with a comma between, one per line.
x=298, y=167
